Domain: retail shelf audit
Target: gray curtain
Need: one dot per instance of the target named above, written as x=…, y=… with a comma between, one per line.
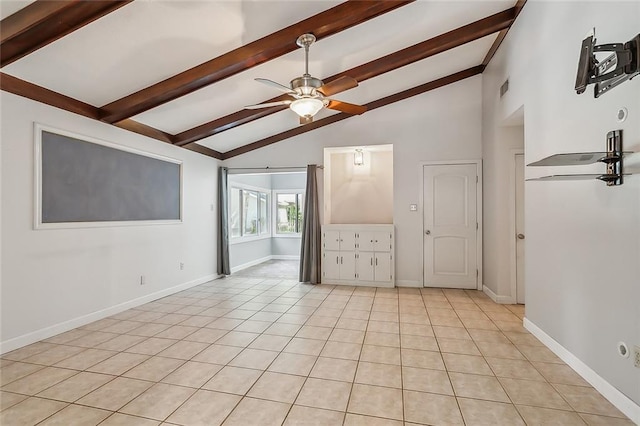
x=310, y=250
x=223, y=223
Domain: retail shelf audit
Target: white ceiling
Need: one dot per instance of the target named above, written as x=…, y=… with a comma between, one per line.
x=147, y=41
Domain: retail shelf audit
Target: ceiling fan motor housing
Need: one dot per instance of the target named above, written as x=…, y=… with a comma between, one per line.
x=306, y=85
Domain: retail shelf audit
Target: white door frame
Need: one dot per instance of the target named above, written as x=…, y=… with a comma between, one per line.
x=512, y=222
x=478, y=164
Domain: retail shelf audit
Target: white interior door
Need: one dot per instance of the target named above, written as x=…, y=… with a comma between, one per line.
x=450, y=226
x=520, y=235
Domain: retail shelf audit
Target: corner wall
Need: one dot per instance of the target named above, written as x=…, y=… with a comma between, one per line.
x=57, y=279
x=582, y=253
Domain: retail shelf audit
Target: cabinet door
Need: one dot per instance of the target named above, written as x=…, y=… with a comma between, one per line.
x=365, y=266
x=331, y=265
x=366, y=241
x=332, y=240
x=347, y=265
x=347, y=240
x=382, y=264
x=382, y=241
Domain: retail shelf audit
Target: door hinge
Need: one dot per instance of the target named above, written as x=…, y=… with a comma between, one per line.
x=477, y=225
x=477, y=179
x=477, y=273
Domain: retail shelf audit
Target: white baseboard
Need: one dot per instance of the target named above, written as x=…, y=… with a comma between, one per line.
x=409, y=283
x=262, y=260
x=45, y=333
x=507, y=300
x=613, y=395
x=285, y=257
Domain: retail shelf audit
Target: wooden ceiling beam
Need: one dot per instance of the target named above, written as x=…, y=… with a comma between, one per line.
x=432, y=85
x=324, y=24
x=393, y=61
x=45, y=21
x=498, y=41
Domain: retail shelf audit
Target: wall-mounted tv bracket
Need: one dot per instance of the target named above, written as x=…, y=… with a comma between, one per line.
x=622, y=65
x=612, y=158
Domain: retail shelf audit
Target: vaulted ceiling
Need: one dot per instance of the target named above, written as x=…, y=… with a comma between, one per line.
x=182, y=71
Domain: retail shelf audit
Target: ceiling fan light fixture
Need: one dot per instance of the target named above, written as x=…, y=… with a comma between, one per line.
x=306, y=107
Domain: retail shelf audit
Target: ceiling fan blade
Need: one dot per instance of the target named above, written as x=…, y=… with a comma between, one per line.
x=268, y=105
x=306, y=120
x=339, y=85
x=278, y=86
x=346, y=107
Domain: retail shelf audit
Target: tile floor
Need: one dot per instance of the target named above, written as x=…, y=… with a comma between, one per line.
x=255, y=351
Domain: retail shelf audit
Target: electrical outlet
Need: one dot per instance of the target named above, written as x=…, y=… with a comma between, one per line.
x=636, y=356
x=181, y=266
x=143, y=280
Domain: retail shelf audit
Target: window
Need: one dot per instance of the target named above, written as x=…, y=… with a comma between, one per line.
x=248, y=213
x=289, y=213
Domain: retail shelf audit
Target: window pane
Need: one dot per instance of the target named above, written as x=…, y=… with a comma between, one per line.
x=300, y=212
x=234, y=212
x=250, y=212
x=264, y=213
x=287, y=212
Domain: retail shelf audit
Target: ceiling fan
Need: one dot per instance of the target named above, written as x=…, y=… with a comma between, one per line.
x=310, y=94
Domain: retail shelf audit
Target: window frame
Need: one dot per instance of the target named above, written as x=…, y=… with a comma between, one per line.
x=274, y=214
x=251, y=237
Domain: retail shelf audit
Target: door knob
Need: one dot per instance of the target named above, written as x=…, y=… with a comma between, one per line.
x=521, y=236
x=427, y=232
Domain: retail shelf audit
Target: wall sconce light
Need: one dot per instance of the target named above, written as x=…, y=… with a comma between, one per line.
x=358, y=158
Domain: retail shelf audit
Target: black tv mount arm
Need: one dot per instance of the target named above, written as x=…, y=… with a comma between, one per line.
x=622, y=65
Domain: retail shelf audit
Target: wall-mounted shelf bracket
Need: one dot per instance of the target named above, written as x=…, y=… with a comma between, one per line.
x=622, y=65
x=612, y=158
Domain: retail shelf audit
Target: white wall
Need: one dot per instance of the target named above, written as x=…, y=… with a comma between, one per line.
x=582, y=255
x=444, y=124
x=56, y=277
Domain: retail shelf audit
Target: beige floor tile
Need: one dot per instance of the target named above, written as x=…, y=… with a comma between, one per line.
x=158, y=402
x=218, y=354
x=115, y=394
x=67, y=336
x=85, y=359
x=451, y=332
x=379, y=375
x=192, y=374
x=360, y=420
x=297, y=364
x=376, y=401
x=184, y=350
x=27, y=351
x=119, y=419
x=479, y=324
x=487, y=413
x=523, y=339
x=593, y=420
x=587, y=400
x=17, y=370
x=416, y=329
x=423, y=343
x=539, y=354
x=177, y=332
x=351, y=324
x=321, y=321
x=378, y=314
x=537, y=416
x=281, y=329
x=458, y=346
x=277, y=387
x=254, y=358
x=327, y=394
x=148, y=329
x=253, y=326
x=382, y=339
x=314, y=332
x=342, y=350
x=233, y=380
x=380, y=354
x=252, y=411
x=39, y=381
x=118, y=364
x=121, y=327
x=422, y=359
x=207, y=335
x=54, y=355
x=205, y=408
x=432, y=409
x=334, y=369
x=30, y=411
x=307, y=416
x=151, y=346
x=154, y=369
x=488, y=336
x=77, y=415
x=384, y=326
x=301, y=346
x=356, y=314
x=224, y=323
x=347, y=336
x=92, y=339
x=8, y=399
x=478, y=387
x=445, y=321
x=270, y=342
x=266, y=316
x=237, y=338
x=499, y=350
x=538, y=394
x=425, y=380
x=560, y=374
x=514, y=369
x=290, y=318
x=76, y=386
x=467, y=364
x=120, y=343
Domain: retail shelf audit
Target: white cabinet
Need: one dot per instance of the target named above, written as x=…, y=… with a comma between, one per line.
x=358, y=255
